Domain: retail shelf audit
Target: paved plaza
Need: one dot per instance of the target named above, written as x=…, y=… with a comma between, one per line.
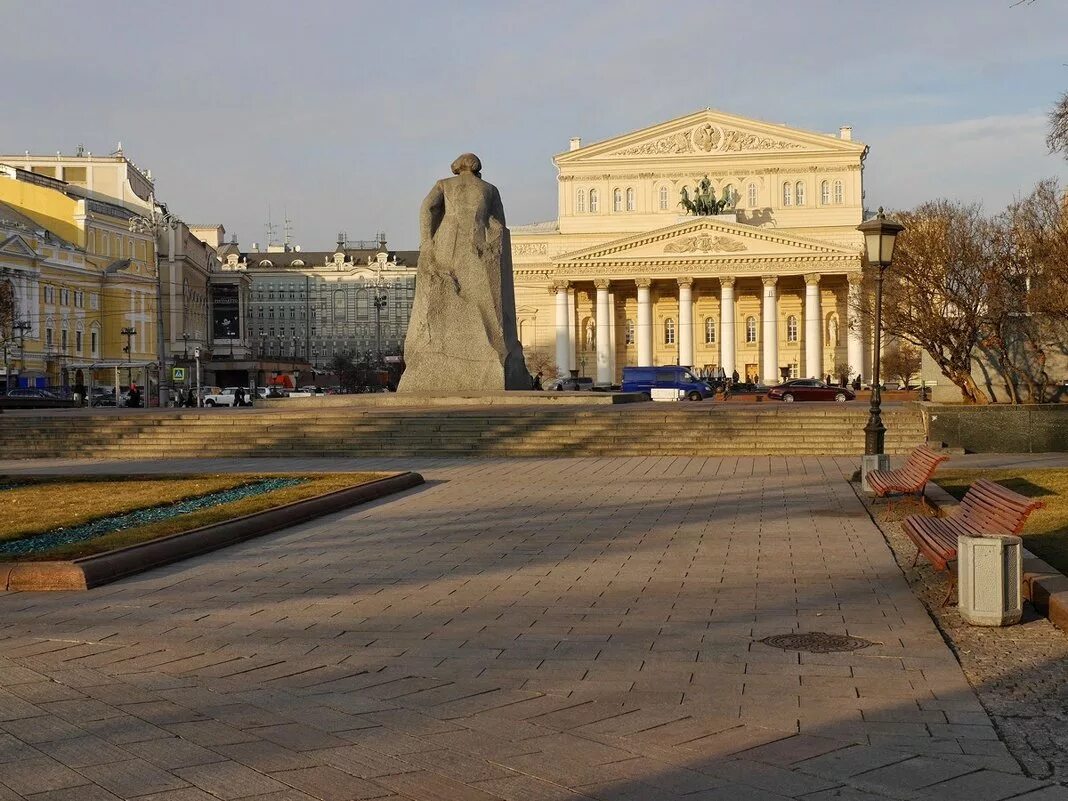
x=521, y=629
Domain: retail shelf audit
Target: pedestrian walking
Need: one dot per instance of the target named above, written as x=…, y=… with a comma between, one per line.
x=734, y=377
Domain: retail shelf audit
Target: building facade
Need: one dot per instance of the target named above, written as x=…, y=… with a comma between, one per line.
x=86, y=287
x=312, y=306
x=624, y=276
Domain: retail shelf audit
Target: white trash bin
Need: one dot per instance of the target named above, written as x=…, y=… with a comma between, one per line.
x=989, y=575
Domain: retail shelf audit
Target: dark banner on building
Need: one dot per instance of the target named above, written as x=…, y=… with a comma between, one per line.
x=225, y=323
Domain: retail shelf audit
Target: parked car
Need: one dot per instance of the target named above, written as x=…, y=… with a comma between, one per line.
x=570, y=384
x=217, y=396
x=810, y=389
x=682, y=379
x=33, y=392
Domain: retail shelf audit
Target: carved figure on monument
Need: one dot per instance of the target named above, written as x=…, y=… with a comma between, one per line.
x=462, y=333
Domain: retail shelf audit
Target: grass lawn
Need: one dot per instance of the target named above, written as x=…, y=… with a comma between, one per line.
x=1046, y=532
x=37, y=506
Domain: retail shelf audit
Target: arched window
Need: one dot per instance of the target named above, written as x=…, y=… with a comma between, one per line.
x=617, y=200
x=580, y=201
x=750, y=329
x=710, y=331
x=832, y=330
x=669, y=331
x=630, y=198
x=787, y=195
x=791, y=329
x=730, y=195
x=752, y=199
x=825, y=193
x=838, y=193
x=595, y=201
x=663, y=198
x=629, y=335
x=799, y=194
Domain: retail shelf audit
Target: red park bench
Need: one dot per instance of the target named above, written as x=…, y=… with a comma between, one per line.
x=910, y=479
x=986, y=509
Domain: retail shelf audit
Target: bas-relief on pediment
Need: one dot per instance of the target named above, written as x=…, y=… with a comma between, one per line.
x=706, y=138
x=707, y=238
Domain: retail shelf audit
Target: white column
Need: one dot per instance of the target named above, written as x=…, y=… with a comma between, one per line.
x=604, y=369
x=770, y=368
x=854, y=335
x=726, y=325
x=572, y=327
x=644, y=330
x=563, y=332
x=813, y=340
x=612, y=335
x=686, y=322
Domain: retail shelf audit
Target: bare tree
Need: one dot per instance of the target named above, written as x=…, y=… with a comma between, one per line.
x=902, y=362
x=1058, y=126
x=541, y=360
x=937, y=292
x=1028, y=315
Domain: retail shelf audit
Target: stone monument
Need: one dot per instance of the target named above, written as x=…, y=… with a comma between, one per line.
x=462, y=332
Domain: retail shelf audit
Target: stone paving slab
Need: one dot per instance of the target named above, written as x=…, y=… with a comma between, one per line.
x=515, y=629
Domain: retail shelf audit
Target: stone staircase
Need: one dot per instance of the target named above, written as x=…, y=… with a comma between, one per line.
x=629, y=430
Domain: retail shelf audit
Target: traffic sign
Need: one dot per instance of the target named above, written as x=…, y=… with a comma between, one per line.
x=178, y=373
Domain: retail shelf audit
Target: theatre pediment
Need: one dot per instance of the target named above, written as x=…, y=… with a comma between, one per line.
x=709, y=133
x=708, y=239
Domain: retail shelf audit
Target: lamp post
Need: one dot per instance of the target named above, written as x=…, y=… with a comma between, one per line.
x=22, y=327
x=156, y=223
x=880, y=235
x=129, y=333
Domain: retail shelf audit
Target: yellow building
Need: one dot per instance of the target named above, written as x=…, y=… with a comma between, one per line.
x=625, y=276
x=83, y=279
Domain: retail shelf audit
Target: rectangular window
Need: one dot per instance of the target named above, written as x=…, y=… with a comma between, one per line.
x=65, y=297
x=78, y=341
x=793, y=370
x=48, y=337
x=92, y=341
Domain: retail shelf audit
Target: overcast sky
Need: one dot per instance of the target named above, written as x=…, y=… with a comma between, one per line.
x=342, y=114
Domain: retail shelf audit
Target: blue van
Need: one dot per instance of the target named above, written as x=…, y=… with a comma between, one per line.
x=646, y=379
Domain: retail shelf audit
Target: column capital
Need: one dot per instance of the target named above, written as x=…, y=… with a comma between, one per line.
x=602, y=283
x=727, y=281
x=685, y=281
x=812, y=278
x=769, y=280
x=643, y=283
x=559, y=286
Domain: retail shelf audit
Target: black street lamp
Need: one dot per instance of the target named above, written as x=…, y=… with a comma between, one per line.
x=879, y=237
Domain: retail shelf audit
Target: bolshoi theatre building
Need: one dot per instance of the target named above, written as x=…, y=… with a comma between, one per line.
x=625, y=276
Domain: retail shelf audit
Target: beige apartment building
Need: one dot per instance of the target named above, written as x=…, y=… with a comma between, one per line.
x=624, y=276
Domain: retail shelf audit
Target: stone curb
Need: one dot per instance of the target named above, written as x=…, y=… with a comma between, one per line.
x=93, y=571
x=1043, y=585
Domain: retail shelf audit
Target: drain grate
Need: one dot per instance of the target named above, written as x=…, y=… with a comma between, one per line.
x=816, y=642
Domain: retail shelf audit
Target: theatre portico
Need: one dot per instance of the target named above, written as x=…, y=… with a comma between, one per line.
x=761, y=288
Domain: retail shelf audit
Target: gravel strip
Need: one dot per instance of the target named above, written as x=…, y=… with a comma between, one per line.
x=1020, y=673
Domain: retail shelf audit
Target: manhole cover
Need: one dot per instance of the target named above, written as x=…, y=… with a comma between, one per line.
x=816, y=642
